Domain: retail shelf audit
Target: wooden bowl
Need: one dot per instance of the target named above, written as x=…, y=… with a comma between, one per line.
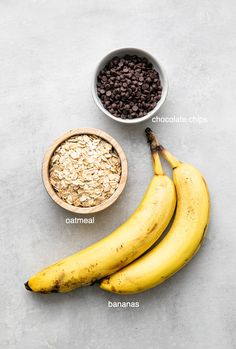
x=46, y=163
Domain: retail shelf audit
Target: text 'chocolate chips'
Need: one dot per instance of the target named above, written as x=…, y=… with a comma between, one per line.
x=129, y=87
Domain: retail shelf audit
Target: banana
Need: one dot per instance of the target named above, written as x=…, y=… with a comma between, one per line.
x=120, y=248
x=181, y=242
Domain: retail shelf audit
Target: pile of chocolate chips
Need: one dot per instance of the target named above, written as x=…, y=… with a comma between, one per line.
x=129, y=87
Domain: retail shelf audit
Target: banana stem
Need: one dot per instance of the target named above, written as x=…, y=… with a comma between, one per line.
x=170, y=158
x=157, y=147
x=158, y=170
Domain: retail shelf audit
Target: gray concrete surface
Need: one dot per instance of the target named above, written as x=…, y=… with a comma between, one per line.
x=48, y=51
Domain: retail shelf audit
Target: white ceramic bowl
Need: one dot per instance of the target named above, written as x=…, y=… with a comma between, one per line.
x=120, y=53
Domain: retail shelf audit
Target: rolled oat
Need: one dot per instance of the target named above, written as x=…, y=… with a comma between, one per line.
x=85, y=170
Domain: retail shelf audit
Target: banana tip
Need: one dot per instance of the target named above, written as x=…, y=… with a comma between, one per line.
x=27, y=286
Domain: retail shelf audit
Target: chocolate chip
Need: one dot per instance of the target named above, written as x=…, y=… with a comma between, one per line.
x=145, y=86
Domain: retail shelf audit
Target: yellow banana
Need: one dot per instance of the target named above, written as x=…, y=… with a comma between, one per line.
x=181, y=242
x=118, y=249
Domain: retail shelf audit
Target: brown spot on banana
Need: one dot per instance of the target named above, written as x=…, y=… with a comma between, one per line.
x=56, y=287
x=113, y=289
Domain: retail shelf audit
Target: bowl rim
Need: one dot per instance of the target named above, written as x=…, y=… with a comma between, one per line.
x=161, y=70
x=46, y=163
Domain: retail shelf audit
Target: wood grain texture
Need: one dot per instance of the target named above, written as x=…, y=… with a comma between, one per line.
x=46, y=164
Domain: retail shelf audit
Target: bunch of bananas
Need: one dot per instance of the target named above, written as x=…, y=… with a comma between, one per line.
x=119, y=262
